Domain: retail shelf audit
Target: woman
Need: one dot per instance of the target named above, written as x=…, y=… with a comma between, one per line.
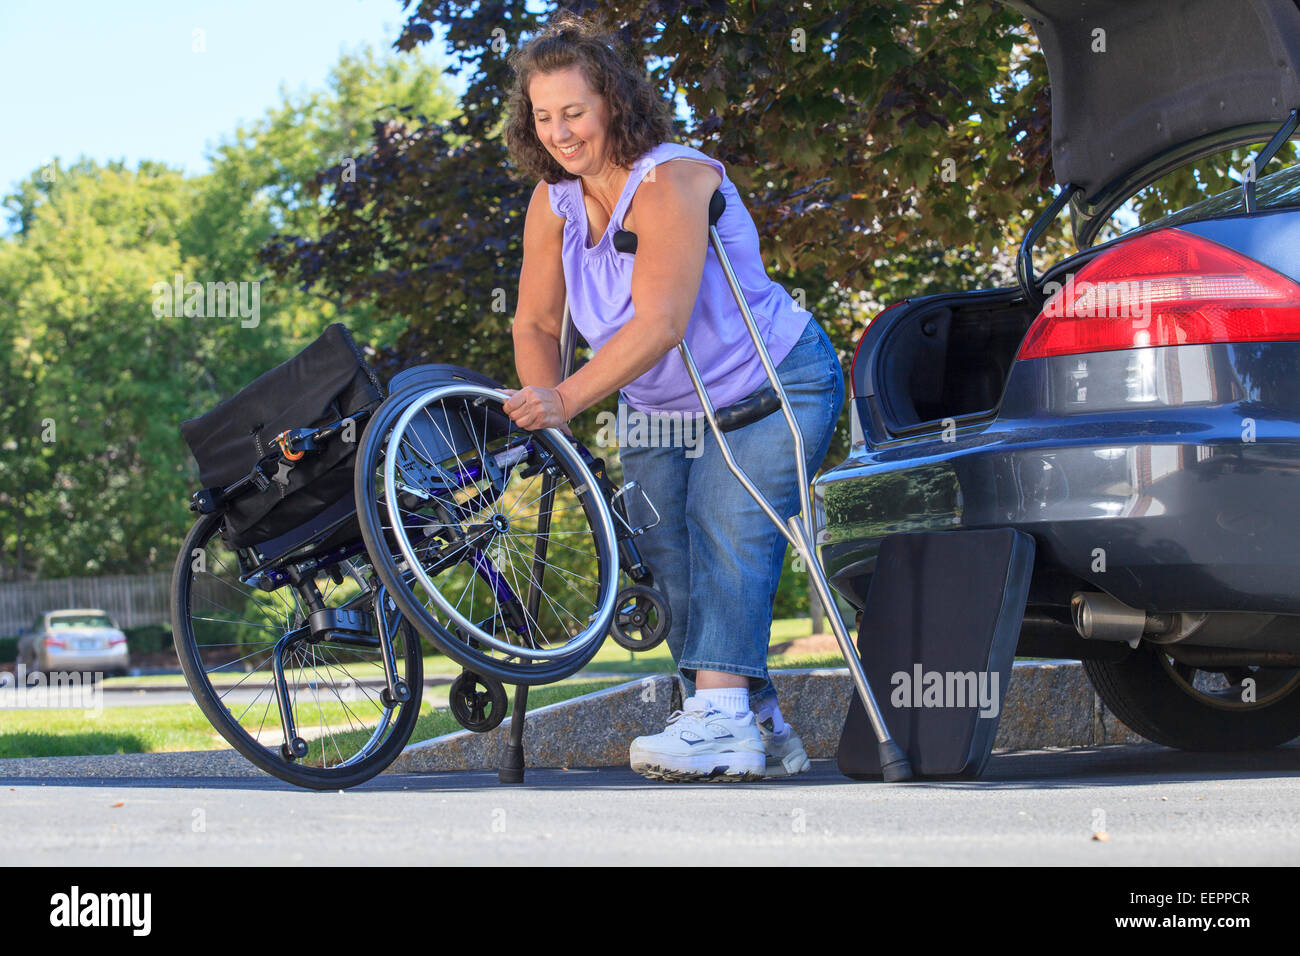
x=592, y=129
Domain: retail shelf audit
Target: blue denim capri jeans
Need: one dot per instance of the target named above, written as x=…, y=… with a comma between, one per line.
x=715, y=555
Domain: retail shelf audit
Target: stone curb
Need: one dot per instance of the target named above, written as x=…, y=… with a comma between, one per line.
x=430, y=680
x=1048, y=704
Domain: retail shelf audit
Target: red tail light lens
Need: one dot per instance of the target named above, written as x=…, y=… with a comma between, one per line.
x=55, y=642
x=1165, y=288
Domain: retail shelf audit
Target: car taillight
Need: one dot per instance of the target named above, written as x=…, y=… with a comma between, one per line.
x=55, y=642
x=114, y=641
x=853, y=366
x=1165, y=288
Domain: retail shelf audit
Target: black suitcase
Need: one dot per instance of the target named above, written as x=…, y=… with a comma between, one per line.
x=937, y=642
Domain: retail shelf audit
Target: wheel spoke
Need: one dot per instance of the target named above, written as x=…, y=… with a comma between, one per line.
x=466, y=585
x=238, y=637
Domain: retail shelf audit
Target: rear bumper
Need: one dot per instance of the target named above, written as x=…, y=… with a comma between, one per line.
x=85, y=661
x=1165, y=526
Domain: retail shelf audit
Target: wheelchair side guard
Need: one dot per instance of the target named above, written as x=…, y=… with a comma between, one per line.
x=433, y=375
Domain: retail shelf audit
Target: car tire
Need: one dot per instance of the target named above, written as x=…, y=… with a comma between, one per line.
x=1171, y=704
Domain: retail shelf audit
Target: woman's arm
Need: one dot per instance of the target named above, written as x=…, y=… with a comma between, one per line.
x=539, y=316
x=672, y=227
x=672, y=217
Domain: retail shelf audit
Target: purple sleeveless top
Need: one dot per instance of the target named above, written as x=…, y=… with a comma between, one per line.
x=598, y=282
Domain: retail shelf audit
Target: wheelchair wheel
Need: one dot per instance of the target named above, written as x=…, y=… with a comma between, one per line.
x=474, y=709
x=346, y=727
x=642, y=618
x=494, y=541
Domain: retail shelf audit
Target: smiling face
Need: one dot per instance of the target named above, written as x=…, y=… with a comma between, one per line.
x=571, y=120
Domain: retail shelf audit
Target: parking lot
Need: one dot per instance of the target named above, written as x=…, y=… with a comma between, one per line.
x=1120, y=805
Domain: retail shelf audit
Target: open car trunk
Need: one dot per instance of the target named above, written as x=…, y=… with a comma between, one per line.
x=940, y=357
x=1139, y=87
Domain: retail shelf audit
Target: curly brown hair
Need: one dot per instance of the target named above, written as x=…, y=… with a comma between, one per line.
x=638, y=119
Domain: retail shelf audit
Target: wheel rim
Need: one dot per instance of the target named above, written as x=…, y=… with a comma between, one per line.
x=453, y=545
x=1225, y=690
x=334, y=688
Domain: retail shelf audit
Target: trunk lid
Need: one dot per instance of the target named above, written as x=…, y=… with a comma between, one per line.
x=1141, y=87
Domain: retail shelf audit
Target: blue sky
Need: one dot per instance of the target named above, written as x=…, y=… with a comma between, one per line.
x=113, y=80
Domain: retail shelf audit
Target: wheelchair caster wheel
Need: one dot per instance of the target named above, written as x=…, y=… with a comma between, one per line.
x=295, y=750
x=392, y=700
x=641, y=618
x=478, y=710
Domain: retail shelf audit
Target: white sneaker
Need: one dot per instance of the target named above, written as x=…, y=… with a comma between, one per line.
x=785, y=753
x=701, y=743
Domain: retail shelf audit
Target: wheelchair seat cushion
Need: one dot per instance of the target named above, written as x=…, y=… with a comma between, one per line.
x=324, y=383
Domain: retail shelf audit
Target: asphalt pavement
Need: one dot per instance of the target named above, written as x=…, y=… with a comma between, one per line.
x=1134, y=804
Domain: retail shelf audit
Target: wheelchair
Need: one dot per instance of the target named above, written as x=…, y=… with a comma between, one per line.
x=376, y=522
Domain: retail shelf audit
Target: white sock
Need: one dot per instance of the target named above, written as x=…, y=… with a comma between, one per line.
x=729, y=700
x=772, y=710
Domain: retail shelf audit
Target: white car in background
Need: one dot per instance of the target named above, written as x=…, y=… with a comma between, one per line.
x=74, y=640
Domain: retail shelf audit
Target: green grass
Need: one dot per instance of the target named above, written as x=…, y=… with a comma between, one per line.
x=164, y=728
x=610, y=659
x=434, y=665
x=613, y=659
x=173, y=727
x=120, y=730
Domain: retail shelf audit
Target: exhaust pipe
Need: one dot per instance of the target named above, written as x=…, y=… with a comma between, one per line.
x=1099, y=617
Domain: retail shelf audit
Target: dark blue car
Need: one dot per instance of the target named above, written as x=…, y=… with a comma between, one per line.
x=1136, y=408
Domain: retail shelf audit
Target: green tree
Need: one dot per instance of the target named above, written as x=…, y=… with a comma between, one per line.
x=261, y=182
x=95, y=378
x=94, y=476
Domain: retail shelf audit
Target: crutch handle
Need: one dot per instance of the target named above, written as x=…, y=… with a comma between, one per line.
x=748, y=410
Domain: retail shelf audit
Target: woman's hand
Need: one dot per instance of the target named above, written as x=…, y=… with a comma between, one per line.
x=533, y=408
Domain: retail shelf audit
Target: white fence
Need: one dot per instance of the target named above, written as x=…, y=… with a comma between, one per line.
x=131, y=600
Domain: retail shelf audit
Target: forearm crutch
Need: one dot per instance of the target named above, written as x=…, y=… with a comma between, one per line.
x=800, y=533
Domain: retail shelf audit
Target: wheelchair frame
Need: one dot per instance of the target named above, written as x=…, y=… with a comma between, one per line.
x=329, y=540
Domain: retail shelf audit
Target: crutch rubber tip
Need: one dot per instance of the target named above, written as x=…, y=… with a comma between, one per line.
x=894, y=765
x=512, y=765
